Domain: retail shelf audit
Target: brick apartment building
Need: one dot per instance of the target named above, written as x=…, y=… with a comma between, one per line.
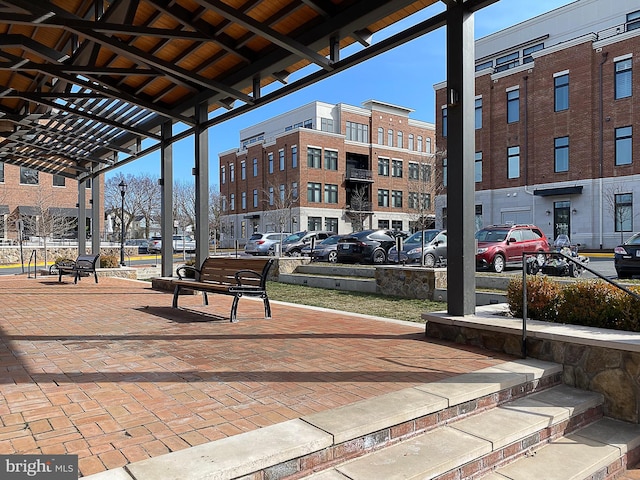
x=556, y=109
x=330, y=167
x=26, y=193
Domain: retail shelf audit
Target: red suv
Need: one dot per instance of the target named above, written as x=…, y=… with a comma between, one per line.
x=501, y=245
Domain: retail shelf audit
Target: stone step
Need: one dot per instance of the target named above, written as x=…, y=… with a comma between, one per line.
x=474, y=444
x=329, y=282
x=599, y=450
x=319, y=441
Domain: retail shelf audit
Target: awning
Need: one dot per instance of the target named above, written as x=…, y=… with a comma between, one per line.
x=67, y=212
x=4, y=209
x=29, y=210
x=547, y=192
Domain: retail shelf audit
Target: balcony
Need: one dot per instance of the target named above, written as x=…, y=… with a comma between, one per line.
x=360, y=207
x=359, y=175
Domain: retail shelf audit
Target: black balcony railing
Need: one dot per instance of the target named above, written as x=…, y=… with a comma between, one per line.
x=359, y=174
x=360, y=207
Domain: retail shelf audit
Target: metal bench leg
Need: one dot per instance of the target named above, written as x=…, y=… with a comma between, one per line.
x=76, y=276
x=95, y=274
x=176, y=292
x=267, y=306
x=205, y=299
x=234, y=308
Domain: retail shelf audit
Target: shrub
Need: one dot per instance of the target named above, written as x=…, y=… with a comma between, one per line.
x=589, y=303
x=542, y=298
x=109, y=261
x=63, y=260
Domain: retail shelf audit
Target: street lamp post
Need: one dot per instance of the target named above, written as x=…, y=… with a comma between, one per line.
x=123, y=190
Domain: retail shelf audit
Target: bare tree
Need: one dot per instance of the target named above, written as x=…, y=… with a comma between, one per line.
x=184, y=204
x=422, y=193
x=621, y=212
x=279, y=202
x=141, y=199
x=359, y=208
x=215, y=215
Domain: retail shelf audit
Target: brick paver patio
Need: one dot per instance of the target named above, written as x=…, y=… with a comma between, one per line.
x=111, y=373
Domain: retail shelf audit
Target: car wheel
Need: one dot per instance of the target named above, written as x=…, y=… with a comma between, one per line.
x=429, y=260
x=332, y=257
x=498, y=263
x=378, y=257
x=271, y=252
x=574, y=271
x=623, y=276
x=294, y=253
x=541, y=258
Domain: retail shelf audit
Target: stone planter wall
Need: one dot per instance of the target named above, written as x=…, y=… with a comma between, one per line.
x=410, y=282
x=599, y=360
x=11, y=254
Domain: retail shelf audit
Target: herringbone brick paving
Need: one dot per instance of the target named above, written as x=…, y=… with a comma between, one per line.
x=111, y=373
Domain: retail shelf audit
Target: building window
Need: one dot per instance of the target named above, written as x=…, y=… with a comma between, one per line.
x=331, y=224
x=314, y=223
x=383, y=166
x=224, y=204
x=282, y=192
x=272, y=199
x=444, y=172
x=281, y=159
x=526, y=53
x=396, y=225
x=383, y=198
x=484, y=65
x=396, y=198
x=413, y=200
x=28, y=176
x=232, y=172
x=561, y=97
x=380, y=136
x=478, y=113
x=400, y=140
x=478, y=167
x=414, y=171
x=1, y=172
x=507, y=61
x=331, y=159
x=255, y=198
x=58, y=181
x=624, y=212
x=326, y=125
x=419, y=143
x=383, y=224
x=255, y=167
x=410, y=146
x=623, y=83
x=390, y=138
x=232, y=201
x=294, y=156
x=330, y=193
x=633, y=20
x=396, y=168
x=513, y=106
x=357, y=132
x=314, y=158
x=444, y=122
x=243, y=200
x=314, y=192
x=243, y=170
x=425, y=201
x=294, y=190
x=270, y=158
x=513, y=162
x=425, y=172
x=561, y=155
x=624, y=137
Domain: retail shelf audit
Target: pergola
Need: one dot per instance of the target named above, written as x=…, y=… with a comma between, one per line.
x=88, y=85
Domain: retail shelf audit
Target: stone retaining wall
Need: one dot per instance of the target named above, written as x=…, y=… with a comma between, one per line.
x=410, y=282
x=11, y=254
x=599, y=360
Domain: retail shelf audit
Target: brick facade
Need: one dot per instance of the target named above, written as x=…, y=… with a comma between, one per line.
x=301, y=212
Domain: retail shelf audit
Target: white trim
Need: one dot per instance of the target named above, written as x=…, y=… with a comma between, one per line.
x=623, y=57
x=511, y=89
x=559, y=74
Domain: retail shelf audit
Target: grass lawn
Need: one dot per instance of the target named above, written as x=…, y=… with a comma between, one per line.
x=398, y=308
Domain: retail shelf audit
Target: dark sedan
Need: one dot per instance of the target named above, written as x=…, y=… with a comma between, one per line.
x=368, y=246
x=627, y=257
x=412, y=249
x=324, y=251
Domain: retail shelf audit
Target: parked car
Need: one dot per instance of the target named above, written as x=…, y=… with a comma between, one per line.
x=264, y=243
x=180, y=243
x=626, y=257
x=368, y=246
x=502, y=245
x=324, y=251
x=293, y=244
x=434, y=251
x=141, y=243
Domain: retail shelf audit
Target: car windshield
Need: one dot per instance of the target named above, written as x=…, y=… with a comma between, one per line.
x=295, y=237
x=491, y=235
x=332, y=240
x=635, y=240
x=428, y=236
x=256, y=236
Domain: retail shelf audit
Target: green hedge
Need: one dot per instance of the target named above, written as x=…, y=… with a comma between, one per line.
x=590, y=303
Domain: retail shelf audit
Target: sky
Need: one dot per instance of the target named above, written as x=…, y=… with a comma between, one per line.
x=403, y=76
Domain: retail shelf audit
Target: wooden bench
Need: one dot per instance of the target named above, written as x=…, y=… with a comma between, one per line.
x=84, y=266
x=229, y=276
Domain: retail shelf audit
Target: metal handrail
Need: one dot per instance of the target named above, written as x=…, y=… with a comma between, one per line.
x=524, y=287
x=34, y=257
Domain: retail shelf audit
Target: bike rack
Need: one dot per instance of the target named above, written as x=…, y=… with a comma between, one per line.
x=34, y=257
x=524, y=287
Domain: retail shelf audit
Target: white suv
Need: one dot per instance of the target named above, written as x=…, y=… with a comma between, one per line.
x=180, y=243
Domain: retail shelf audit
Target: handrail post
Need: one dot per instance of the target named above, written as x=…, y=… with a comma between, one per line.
x=524, y=305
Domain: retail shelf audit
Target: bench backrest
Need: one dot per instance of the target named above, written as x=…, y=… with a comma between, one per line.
x=223, y=270
x=86, y=262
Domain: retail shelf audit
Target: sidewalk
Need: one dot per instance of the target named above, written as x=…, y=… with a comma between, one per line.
x=111, y=373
